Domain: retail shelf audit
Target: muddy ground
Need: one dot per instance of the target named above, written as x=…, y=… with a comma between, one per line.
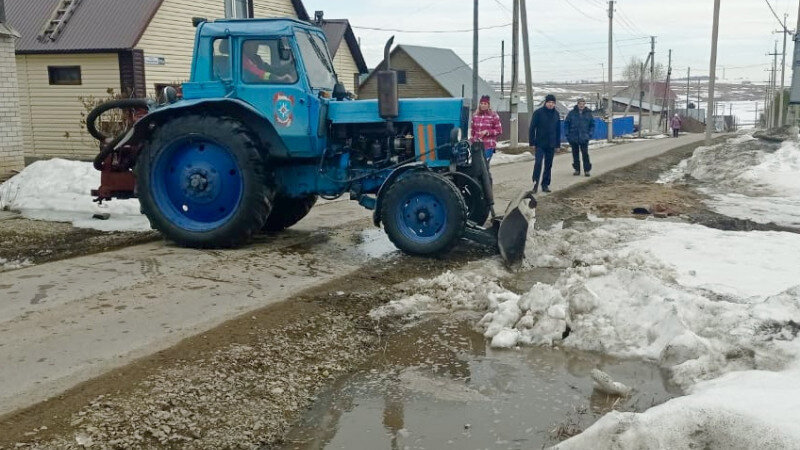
x=244, y=384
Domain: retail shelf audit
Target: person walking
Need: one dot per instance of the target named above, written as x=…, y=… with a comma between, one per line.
x=675, y=124
x=544, y=136
x=579, y=127
x=486, y=127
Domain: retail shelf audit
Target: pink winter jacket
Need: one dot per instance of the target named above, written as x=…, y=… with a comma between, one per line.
x=675, y=123
x=486, y=121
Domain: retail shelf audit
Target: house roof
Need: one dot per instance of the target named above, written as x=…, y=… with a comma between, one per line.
x=96, y=25
x=447, y=69
x=635, y=103
x=337, y=30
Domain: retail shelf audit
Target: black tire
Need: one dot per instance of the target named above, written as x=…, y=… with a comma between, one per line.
x=477, y=206
x=287, y=211
x=447, y=207
x=239, y=169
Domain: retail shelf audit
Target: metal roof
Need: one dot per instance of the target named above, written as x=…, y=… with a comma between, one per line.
x=449, y=70
x=96, y=25
x=338, y=29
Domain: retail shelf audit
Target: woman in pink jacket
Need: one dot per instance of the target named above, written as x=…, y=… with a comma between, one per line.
x=486, y=127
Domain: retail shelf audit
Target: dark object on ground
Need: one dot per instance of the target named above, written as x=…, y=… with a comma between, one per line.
x=640, y=210
x=101, y=216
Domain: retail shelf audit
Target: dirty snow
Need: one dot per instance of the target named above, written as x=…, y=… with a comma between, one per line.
x=719, y=311
x=747, y=178
x=59, y=190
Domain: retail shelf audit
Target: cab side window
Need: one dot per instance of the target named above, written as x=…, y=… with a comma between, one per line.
x=262, y=62
x=221, y=64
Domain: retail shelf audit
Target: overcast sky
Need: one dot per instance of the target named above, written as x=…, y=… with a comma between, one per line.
x=569, y=37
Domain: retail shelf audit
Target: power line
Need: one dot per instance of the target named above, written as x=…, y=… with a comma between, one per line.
x=395, y=30
x=583, y=13
x=776, y=17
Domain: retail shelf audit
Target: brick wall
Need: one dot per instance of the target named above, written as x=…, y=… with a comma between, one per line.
x=11, y=157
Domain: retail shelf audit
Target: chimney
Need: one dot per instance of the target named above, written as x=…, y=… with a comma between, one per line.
x=2, y=11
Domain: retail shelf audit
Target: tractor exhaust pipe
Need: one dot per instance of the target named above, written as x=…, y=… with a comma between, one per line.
x=388, y=104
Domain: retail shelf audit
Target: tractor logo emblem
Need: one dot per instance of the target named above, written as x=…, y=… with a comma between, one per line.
x=283, y=105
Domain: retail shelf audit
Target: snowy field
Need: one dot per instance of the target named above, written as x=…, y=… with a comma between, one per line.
x=718, y=311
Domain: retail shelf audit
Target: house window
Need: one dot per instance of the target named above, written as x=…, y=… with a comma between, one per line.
x=64, y=75
x=238, y=9
x=401, y=77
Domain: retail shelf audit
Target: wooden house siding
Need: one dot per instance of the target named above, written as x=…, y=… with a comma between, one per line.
x=345, y=66
x=50, y=113
x=170, y=35
x=419, y=84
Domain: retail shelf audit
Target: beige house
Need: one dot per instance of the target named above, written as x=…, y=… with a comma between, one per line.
x=10, y=129
x=425, y=72
x=72, y=49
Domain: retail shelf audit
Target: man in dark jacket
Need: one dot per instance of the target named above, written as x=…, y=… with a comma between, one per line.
x=544, y=135
x=579, y=127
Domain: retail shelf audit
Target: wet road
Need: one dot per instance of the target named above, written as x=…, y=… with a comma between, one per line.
x=67, y=321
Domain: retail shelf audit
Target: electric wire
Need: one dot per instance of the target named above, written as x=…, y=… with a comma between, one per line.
x=397, y=30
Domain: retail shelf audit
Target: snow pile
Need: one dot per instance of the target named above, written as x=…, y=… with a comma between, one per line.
x=748, y=178
x=59, y=190
x=698, y=301
x=742, y=410
x=503, y=158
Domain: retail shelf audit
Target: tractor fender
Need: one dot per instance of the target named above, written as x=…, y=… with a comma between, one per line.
x=259, y=124
x=412, y=167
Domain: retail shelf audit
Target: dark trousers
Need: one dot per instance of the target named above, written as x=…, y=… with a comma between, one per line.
x=675, y=132
x=578, y=151
x=543, y=155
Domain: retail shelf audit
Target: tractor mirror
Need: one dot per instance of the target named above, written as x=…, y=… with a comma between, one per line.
x=284, y=49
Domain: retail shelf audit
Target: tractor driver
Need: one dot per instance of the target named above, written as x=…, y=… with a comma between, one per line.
x=256, y=70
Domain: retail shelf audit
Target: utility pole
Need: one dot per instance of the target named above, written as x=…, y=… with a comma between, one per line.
x=712, y=71
x=641, y=95
x=665, y=105
x=783, y=71
x=794, y=93
x=773, y=86
x=688, y=88
x=610, y=70
x=652, y=80
x=523, y=9
x=514, y=122
x=755, y=121
x=502, y=68
x=475, y=56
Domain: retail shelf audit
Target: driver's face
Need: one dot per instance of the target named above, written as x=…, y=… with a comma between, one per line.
x=550, y=104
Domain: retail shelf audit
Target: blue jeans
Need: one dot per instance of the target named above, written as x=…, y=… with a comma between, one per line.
x=488, y=153
x=543, y=155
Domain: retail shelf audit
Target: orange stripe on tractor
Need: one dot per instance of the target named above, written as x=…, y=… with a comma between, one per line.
x=431, y=143
x=421, y=145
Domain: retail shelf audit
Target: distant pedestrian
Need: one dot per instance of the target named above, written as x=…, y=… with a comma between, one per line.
x=486, y=127
x=544, y=135
x=579, y=126
x=675, y=124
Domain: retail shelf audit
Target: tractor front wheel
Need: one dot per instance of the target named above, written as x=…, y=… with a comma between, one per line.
x=423, y=214
x=201, y=182
x=287, y=211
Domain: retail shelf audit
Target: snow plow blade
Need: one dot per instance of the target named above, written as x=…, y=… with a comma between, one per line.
x=512, y=234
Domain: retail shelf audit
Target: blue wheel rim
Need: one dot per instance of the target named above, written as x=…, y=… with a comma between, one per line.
x=197, y=184
x=421, y=217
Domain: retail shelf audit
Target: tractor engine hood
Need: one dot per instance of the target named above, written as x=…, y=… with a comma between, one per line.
x=430, y=110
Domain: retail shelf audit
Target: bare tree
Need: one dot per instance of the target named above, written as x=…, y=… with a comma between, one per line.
x=633, y=69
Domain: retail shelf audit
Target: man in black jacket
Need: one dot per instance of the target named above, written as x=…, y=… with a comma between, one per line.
x=579, y=127
x=544, y=135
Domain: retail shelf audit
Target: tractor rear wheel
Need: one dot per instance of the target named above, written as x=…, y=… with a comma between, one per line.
x=202, y=182
x=423, y=213
x=287, y=211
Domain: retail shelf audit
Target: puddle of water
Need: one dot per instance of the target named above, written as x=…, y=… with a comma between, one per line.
x=439, y=386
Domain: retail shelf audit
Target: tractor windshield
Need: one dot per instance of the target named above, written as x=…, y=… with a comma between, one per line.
x=315, y=57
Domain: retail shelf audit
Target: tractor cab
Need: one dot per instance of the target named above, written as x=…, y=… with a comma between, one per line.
x=280, y=67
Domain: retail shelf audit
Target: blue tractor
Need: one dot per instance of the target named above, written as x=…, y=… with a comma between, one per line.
x=264, y=128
